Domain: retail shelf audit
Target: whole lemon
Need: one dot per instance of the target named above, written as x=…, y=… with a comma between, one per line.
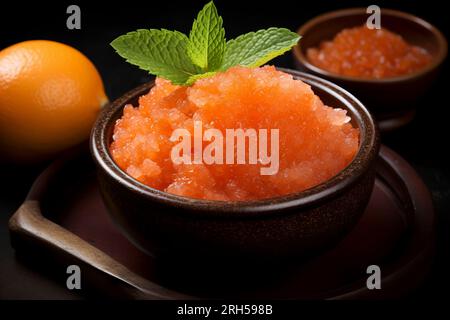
x=50, y=94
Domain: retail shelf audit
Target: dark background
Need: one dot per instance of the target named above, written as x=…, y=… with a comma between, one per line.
x=423, y=143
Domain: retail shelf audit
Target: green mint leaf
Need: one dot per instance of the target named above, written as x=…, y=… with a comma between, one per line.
x=160, y=52
x=207, y=39
x=256, y=48
x=182, y=60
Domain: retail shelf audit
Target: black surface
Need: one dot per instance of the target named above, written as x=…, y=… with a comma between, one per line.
x=423, y=143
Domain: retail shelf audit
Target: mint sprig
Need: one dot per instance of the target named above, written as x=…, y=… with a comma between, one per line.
x=183, y=60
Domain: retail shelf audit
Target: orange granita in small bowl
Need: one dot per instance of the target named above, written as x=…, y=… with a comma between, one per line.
x=368, y=53
x=389, y=69
x=315, y=141
x=231, y=160
x=323, y=183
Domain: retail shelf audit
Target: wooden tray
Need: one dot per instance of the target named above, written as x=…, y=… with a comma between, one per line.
x=63, y=221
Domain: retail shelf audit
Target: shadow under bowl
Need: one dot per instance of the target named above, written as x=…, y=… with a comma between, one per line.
x=391, y=100
x=298, y=224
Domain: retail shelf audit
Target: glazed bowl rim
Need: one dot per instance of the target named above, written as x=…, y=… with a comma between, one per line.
x=437, y=59
x=361, y=163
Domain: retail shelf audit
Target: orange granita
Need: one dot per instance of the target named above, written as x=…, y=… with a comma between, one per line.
x=315, y=141
x=368, y=53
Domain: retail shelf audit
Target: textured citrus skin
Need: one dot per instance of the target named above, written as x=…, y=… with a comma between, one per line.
x=365, y=53
x=50, y=94
x=315, y=141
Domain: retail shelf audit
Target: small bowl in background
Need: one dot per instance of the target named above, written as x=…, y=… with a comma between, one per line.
x=164, y=224
x=392, y=100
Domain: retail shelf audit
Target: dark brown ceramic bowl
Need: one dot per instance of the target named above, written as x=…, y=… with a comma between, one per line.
x=162, y=223
x=391, y=100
